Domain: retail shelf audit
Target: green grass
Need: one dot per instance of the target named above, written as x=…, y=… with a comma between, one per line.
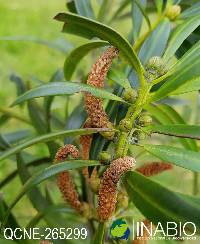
x=31, y=19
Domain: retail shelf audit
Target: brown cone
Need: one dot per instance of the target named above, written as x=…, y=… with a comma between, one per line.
x=108, y=186
x=154, y=168
x=64, y=180
x=85, y=142
x=94, y=105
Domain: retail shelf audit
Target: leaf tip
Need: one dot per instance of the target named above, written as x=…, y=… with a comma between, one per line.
x=59, y=16
x=13, y=104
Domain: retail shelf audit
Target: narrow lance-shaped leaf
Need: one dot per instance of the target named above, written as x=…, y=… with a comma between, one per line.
x=60, y=89
x=40, y=124
x=59, y=45
x=38, y=201
x=176, y=118
x=159, y=204
x=187, y=44
x=119, y=78
x=12, y=222
x=71, y=6
x=119, y=10
x=35, y=196
x=181, y=130
x=104, y=8
x=181, y=32
x=6, y=241
x=37, y=116
x=49, y=137
x=189, y=86
x=4, y=118
x=46, y=174
x=84, y=8
x=167, y=115
x=159, y=5
x=20, y=85
x=77, y=54
x=141, y=7
x=57, y=76
x=61, y=208
x=185, y=69
x=192, y=11
x=178, y=156
x=88, y=28
x=75, y=120
x=137, y=17
x=155, y=44
x=16, y=136
x=8, y=178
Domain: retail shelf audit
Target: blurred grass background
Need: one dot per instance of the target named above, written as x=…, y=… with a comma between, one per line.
x=30, y=19
x=27, y=19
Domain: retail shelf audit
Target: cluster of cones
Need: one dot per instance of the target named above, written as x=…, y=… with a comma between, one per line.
x=97, y=118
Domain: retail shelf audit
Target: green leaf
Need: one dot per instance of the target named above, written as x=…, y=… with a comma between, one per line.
x=192, y=11
x=57, y=76
x=137, y=17
x=159, y=5
x=14, y=173
x=104, y=10
x=167, y=115
x=35, y=196
x=59, y=44
x=178, y=156
x=16, y=136
x=48, y=137
x=77, y=54
x=20, y=85
x=71, y=6
x=6, y=241
x=88, y=28
x=187, y=44
x=37, y=116
x=46, y=174
x=61, y=208
x=180, y=33
x=119, y=78
x=159, y=204
x=40, y=124
x=4, y=118
x=3, y=143
x=60, y=88
x=176, y=118
x=189, y=86
x=38, y=201
x=12, y=222
x=185, y=69
x=156, y=42
x=181, y=130
x=75, y=120
x=99, y=234
x=119, y=10
x=141, y=7
x=84, y=8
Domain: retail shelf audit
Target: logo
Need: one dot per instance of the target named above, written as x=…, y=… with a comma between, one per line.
x=119, y=230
